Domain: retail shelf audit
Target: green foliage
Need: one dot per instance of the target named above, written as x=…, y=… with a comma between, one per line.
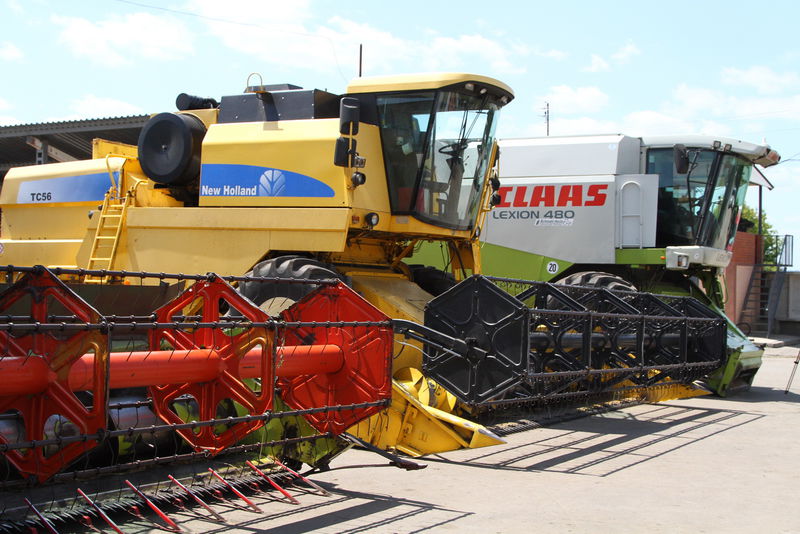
x=752, y=215
x=773, y=243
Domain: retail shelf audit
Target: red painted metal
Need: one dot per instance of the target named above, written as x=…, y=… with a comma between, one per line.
x=171, y=525
x=365, y=374
x=39, y=295
x=100, y=512
x=272, y=483
x=236, y=492
x=46, y=522
x=146, y=368
x=198, y=500
x=313, y=485
x=205, y=299
x=316, y=366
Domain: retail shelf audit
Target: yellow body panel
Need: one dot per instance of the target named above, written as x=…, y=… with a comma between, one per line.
x=397, y=297
x=302, y=146
x=416, y=82
x=20, y=180
x=224, y=240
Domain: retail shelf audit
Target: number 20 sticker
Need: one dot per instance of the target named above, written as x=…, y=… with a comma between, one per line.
x=552, y=267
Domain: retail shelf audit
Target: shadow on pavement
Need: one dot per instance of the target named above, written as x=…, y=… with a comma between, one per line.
x=604, y=444
x=353, y=512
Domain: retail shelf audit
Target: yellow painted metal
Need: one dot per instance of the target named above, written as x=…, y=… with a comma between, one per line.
x=674, y=391
x=421, y=419
x=415, y=429
x=101, y=148
x=9, y=195
x=47, y=233
x=224, y=240
x=302, y=146
x=416, y=82
x=107, y=233
x=399, y=298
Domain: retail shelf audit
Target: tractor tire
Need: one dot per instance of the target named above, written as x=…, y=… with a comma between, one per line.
x=597, y=279
x=433, y=280
x=273, y=298
x=592, y=280
x=276, y=297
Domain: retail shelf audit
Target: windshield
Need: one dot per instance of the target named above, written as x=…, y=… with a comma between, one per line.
x=701, y=207
x=436, y=146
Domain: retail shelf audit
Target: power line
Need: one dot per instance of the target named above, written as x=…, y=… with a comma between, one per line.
x=240, y=23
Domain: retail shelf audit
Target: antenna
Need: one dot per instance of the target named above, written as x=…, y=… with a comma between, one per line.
x=360, y=57
x=546, y=116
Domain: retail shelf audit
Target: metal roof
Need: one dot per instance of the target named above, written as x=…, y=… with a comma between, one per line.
x=71, y=137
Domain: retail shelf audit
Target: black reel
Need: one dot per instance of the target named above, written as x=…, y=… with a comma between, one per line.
x=494, y=325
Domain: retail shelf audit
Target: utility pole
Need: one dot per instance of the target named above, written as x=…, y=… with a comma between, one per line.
x=547, y=117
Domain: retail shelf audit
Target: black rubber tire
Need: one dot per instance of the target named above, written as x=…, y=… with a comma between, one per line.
x=286, y=267
x=597, y=279
x=433, y=280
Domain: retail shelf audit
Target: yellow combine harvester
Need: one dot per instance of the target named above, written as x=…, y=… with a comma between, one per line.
x=288, y=183
x=279, y=182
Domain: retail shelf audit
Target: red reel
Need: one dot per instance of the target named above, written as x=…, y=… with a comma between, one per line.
x=40, y=295
x=366, y=373
x=208, y=299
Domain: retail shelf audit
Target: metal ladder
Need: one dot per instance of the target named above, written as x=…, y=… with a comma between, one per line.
x=106, y=237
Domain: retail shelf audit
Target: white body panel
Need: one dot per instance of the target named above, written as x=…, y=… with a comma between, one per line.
x=576, y=199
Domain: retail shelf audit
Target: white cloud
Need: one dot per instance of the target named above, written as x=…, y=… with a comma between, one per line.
x=763, y=79
x=581, y=126
x=4, y=105
x=558, y=55
x=566, y=100
x=697, y=101
x=624, y=54
x=598, y=64
x=443, y=52
x=14, y=6
x=10, y=52
x=114, y=41
x=96, y=107
x=333, y=45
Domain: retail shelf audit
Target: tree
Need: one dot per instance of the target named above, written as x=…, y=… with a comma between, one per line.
x=773, y=243
x=751, y=215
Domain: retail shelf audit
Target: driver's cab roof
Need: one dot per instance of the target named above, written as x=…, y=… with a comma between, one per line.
x=430, y=80
x=757, y=153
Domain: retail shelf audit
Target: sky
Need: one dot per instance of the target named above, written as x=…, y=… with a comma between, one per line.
x=727, y=69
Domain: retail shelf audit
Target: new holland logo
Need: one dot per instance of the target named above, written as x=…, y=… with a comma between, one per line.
x=272, y=183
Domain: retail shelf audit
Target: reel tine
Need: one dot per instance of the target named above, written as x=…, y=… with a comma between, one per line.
x=45, y=522
x=100, y=512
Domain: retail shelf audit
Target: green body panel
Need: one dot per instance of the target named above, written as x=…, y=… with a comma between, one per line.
x=640, y=256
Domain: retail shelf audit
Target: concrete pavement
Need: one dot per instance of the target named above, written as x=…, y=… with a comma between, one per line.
x=697, y=465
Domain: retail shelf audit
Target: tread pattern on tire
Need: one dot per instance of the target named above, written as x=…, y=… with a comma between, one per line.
x=430, y=279
x=597, y=279
x=287, y=267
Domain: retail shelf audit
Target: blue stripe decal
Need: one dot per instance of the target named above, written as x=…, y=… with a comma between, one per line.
x=229, y=180
x=80, y=188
